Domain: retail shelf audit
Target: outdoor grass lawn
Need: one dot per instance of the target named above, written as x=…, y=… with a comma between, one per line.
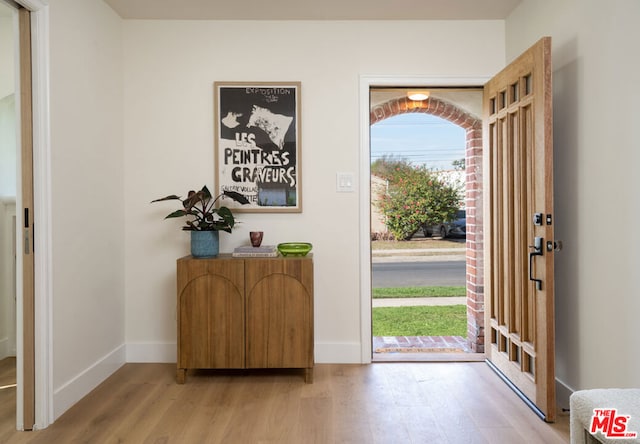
x=419, y=243
x=418, y=292
x=448, y=320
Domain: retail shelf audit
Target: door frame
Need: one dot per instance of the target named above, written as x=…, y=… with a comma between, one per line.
x=43, y=384
x=367, y=82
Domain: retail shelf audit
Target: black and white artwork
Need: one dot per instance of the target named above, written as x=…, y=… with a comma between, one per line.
x=258, y=144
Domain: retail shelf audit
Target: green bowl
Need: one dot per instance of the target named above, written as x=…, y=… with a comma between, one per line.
x=294, y=248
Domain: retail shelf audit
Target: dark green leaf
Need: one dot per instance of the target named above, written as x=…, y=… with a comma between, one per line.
x=172, y=197
x=227, y=216
x=206, y=195
x=177, y=213
x=240, y=198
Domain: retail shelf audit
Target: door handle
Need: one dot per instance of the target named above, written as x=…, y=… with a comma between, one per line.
x=27, y=244
x=537, y=251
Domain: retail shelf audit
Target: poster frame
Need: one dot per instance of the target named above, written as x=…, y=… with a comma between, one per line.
x=279, y=152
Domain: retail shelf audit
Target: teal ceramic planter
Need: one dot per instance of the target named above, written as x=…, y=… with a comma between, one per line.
x=205, y=243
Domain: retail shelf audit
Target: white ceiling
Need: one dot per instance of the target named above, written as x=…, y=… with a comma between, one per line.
x=314, y=9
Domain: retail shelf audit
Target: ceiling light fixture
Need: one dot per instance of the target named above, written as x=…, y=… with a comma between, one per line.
x=418, y=95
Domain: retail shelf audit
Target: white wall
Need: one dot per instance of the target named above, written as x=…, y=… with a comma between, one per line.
x=7, y=74
x=7, y=211
x=170, y=68
x=87, y=196
x=7, y=278
x=596, y=115
x=7, y=183
x=8, y=147
x=7, y=104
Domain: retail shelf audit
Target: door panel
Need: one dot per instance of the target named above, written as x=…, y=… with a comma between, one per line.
x=279, y=312
x=211, y=324
x=28, y=263
x=518, y=156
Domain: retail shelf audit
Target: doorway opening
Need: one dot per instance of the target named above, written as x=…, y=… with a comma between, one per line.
x=461, y=107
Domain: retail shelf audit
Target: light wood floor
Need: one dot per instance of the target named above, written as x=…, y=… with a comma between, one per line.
x=397, y=403
x=7, y=395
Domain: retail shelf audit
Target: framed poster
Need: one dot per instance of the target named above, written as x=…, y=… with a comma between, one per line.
x=257, y=144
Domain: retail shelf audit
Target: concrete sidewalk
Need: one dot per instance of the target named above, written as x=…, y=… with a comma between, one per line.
x=418, y=255
x=415, y=302
x=420, y=250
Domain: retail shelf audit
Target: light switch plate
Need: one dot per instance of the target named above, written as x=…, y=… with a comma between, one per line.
x=345, y=182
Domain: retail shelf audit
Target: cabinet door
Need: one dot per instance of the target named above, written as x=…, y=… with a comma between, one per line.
x=279, y=313
x=210, y=313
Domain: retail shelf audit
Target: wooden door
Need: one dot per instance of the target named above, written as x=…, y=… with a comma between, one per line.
x=519, y=241
x=28, y=263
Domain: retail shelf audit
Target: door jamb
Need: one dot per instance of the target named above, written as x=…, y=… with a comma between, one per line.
x=366, y=82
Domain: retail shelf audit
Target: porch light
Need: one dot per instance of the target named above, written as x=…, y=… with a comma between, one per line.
x=418, y=95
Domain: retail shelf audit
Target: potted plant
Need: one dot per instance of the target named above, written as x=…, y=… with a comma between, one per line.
x=207, y=219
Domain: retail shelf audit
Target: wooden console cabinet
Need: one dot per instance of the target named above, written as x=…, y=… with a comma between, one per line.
x=238, y=313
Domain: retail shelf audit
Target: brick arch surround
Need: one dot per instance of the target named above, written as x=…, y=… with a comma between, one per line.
x=473, y=198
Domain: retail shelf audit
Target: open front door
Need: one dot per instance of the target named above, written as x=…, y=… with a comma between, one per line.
x=519, y=241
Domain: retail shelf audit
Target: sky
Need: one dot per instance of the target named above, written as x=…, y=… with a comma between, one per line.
x=419, y=138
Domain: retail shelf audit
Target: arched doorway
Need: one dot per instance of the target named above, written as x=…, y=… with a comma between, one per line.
x=473, y=196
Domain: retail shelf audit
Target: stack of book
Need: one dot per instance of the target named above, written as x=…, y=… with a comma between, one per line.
x=262, y=251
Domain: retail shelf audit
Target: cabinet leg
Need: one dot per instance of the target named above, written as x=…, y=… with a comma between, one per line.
x=308, y=375
x=181, y=375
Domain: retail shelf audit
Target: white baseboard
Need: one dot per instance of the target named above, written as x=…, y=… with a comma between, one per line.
x=325, y=352
x=78, y=387
x=338, y=352
x=563, y=392
x=164, y=352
